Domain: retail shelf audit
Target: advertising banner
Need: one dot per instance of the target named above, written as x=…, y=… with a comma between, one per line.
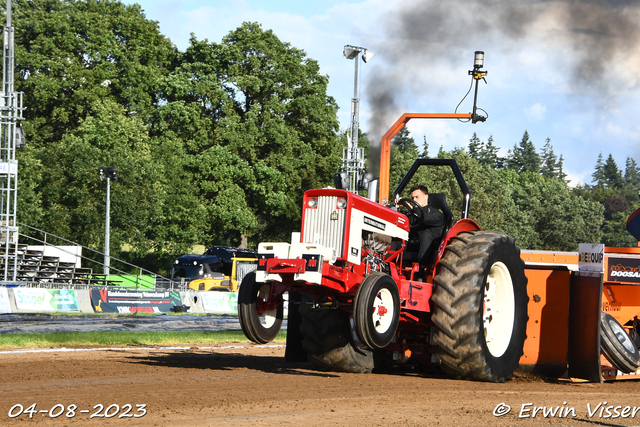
x=39, y=299
x=127, y=302
x=220, y=302
x=624, y=270
x=4, y=301
x=591, y=257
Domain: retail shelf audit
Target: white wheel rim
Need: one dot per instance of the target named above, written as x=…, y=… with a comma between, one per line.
x=268, y=317
x=383, y=311
x=499, y=309
x=622, y=336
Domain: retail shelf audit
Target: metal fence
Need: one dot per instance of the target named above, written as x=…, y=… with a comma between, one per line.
x=35, y=269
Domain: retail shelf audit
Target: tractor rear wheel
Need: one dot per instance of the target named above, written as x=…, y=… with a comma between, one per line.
x=480, y=306
x=617, y=345
x=259, y=324
x=327, y=340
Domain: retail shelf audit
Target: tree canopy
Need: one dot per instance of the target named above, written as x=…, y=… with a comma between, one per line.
x=71, y=54
x=214, y=145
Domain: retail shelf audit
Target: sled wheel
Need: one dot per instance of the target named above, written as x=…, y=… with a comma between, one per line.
x=327, y=340
x=258, y=324
x=376, y=310
x=480, y=306
x=617, y=346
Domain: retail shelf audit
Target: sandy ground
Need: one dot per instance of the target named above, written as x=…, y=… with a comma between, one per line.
x=243, y=384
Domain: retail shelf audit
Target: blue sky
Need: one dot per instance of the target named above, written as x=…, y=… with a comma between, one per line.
x=564, y=70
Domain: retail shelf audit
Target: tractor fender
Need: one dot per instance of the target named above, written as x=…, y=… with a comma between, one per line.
x=465, y=224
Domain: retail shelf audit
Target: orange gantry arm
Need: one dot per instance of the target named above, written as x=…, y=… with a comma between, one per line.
x=385, y=145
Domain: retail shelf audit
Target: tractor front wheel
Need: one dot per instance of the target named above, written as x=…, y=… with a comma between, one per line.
x=376, y=310
x=480, y=306
x=260, y=323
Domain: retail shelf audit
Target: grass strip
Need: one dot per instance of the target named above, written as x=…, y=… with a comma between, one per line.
x=115, y=338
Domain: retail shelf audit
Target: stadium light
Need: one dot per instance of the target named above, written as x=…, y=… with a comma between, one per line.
x=353, y=162
x=111, y=174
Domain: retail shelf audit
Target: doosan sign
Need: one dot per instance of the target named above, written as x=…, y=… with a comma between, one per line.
x=624, y=270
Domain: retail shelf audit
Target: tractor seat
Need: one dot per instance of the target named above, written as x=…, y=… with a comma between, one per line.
x=439, y=201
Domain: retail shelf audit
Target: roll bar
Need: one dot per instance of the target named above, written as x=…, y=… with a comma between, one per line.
x=466, y=196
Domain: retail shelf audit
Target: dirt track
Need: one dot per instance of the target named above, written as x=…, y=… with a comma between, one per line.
x=251, y=385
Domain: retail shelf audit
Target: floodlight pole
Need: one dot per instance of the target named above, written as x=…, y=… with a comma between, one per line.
x=110, y=173
x=355, y=118
x=353, y=157
x=107, y=236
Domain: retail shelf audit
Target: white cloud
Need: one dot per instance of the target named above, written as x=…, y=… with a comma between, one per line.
x=581, y=178
x=536, y=112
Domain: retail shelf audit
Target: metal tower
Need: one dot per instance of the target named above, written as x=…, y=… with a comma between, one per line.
x=11, y=136
x=353, y=156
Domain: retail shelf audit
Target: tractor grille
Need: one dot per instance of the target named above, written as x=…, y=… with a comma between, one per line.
x=319, y=227
x=243, y=268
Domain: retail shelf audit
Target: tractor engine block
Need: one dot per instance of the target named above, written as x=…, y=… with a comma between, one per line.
x=375, y=246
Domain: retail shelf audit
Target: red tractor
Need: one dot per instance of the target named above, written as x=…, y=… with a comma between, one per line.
x=362, y=305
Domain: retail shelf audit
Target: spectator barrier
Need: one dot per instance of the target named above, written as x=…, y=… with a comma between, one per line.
x=121, y=301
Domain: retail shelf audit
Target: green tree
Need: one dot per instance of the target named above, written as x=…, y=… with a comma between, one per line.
x=91, y=72
x=598, y=173
x=73, y=54
x=549, y=167
x=73, y=198
x=612, y=175
x=259, y=127
x=425, y=148
x=614, y=231
x=631, y=176
x=489, y=155
x=524, y=157
x=561, y=175
x=475, y=145
x=213, y=145
x=404, y=142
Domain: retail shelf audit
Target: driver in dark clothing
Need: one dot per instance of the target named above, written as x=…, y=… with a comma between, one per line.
x=428, y=224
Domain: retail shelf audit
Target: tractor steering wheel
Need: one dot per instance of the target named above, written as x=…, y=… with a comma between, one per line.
x=410, y=203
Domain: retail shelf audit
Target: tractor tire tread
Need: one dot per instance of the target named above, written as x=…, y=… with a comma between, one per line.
x=458, y=301
x=613, y=350
x=327, y=340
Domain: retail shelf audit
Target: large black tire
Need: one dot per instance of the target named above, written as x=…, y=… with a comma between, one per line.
x=294, y=352
x=259, y=328
x=480, y=307
x=327, y=340
x=617, y=346
x=376, y=310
